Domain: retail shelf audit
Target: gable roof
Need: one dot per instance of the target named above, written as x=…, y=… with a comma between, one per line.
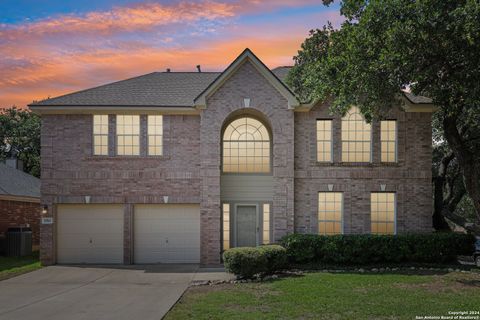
x=16, y=183
x=179, y=92
x=247, y=55
x=160, y=89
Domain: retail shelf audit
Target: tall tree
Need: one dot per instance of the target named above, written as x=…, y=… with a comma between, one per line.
x=384, y=46
x=20, y=137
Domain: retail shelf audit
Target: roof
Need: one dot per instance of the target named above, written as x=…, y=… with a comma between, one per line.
x=176, y=91
x=417, y=99
x=17, y=183
x=171, y=89
x=282, y=72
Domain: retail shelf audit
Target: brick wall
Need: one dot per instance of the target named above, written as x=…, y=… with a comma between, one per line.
x=266, y=103
x=70, y=172
x=19, y=213
x=410, y=178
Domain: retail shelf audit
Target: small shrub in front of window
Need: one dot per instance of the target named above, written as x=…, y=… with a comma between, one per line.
x=246, y=262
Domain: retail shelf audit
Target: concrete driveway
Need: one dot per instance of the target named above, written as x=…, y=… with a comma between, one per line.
x=102, y=292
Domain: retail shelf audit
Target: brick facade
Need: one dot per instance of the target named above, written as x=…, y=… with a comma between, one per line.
x=267, y=104
x=190, y=169
x=20, y=213
x=410, y=178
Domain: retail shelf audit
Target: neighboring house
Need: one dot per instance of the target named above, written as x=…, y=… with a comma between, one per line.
x=177, y=167
x=19, y=200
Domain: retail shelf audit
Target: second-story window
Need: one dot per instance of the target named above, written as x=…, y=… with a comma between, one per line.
x=100, y=135
x=155, y=135
x=128, y=135
x=356, y=137
x=388, y=138
x=324, y=140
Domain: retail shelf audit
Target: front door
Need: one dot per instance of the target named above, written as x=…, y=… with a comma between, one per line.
x=246, y=226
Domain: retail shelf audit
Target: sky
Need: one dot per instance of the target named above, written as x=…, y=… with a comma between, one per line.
x=53, y=47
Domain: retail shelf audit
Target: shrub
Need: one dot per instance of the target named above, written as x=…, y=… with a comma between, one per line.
x=247, y=262
x=372, y=249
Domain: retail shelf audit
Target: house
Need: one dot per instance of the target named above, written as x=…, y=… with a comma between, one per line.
x=175, y=167
x=19, y=199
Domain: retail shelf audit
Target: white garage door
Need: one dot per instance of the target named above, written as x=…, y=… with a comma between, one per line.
x=90, y=233
x=167, y=233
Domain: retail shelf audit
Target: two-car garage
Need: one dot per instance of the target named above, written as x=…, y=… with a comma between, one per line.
x=161, y=233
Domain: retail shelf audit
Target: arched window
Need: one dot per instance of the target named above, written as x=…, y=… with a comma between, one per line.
x=356, y=137
x=246, y=147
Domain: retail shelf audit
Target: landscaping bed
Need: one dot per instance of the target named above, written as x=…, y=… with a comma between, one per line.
x=400, y=294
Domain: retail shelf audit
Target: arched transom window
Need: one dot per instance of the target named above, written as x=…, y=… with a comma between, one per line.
x=356, y=137
x=246, y=147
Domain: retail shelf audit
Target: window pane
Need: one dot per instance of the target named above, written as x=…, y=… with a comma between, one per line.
x=324, y=140
x=128, y=138
x=246, y=147
x=330, y=213
x=226, y=226
x=266, y=223
x=388, y=137
x=100, y=134
x=382, y=207
x=356, y=137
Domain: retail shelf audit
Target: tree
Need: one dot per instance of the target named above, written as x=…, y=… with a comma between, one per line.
x=386, y=46
x=20, y=137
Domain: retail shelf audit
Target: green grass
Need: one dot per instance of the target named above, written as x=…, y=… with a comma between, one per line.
x=12, y=266
x=334, y=296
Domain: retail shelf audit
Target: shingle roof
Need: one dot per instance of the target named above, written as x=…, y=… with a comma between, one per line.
x=14, y=182
x=162, y=89
x=417, y=99
x=281, y=72
x=171, y=89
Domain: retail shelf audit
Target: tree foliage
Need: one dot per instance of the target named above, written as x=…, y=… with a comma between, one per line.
x=20, y=137
x=385, y=46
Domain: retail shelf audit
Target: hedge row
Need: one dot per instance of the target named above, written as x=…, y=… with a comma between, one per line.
x=372, y=249
x=247, y=262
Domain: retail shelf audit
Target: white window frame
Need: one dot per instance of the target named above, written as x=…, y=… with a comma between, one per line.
x=323, y=141
x=101, y=134
x=394, y=213
x=133, y=135
x=395, y=141
x=156, y=135
x=342, y=222
x=346, y=119
x=226, y=222
x=266, y=223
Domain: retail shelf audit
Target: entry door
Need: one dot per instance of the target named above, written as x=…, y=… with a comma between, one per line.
x=246, y=226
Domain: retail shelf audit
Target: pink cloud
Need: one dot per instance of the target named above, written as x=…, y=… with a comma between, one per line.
x=68, y=53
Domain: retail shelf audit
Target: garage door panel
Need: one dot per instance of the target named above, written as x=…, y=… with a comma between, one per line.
x=90, y=234
x=167, y=234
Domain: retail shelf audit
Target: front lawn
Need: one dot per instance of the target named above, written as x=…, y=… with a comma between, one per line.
x=12, y=266
x=334, y=296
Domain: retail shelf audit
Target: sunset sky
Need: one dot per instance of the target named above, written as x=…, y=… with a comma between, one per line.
x=52, y=47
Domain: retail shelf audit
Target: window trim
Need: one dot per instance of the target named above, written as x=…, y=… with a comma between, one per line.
x=331, y=140
x=394, y=212
x=94, y=135
x=139, y=136
x=155, y=135
x=267, y=127
x=342, y=213
x=396, y=142
x=342, y=141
